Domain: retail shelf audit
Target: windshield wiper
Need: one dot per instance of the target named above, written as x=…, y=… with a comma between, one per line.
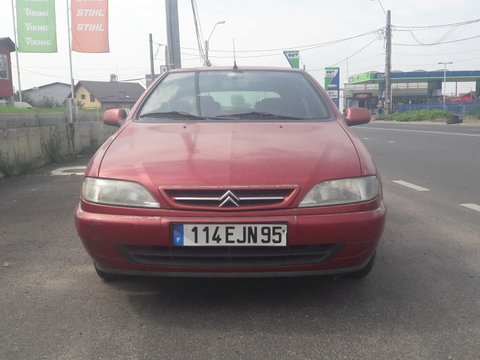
x=257, y=115
x=172, y=114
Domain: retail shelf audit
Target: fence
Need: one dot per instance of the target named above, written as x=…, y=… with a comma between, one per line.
x=465, y=108
x=26, y=138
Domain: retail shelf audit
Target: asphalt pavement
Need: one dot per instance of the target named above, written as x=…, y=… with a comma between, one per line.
x=421, y=301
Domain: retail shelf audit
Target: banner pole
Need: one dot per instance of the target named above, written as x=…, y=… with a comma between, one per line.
x=16, y=54
x=72, y=86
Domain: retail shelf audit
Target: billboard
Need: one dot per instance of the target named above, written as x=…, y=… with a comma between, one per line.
x=4, y=67
x=293, y=57
x=6, y=87
x=332, y=84
x=90, y=26
x=36, y=26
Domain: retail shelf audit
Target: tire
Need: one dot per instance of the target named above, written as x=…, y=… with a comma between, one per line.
x=365, y=270
x=454, y=119
x=107, y=277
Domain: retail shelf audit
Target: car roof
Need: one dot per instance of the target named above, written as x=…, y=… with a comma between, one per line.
x=239, y=68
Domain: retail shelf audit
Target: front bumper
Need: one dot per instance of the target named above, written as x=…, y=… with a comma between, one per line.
x=341, y=240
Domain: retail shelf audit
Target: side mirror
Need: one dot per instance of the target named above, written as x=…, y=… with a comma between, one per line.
x=114, y=117
x=357, y=116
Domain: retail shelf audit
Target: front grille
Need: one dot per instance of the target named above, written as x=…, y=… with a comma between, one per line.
x=229, y=198
x=229, y=257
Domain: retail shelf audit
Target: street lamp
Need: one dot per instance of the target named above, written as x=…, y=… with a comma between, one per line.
x=444, y=63
x=207, y=61
x=167, y=66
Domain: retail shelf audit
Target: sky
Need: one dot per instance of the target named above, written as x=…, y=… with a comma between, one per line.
x=261, y=29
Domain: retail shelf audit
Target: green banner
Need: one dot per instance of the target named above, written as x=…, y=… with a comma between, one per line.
x=360, y=78
x=332, y=78
x=293, y=57
x=36, y=26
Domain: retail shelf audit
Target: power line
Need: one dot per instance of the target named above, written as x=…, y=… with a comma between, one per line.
x=406, y=28
x=246, y=56
x=440, y=43
x=437, y=54
x=380, y=3
x=352, y=55
x=358, y=51
x=198, y=29
x=301, y=47
x=452, y=27
x=277, y=51
x=332, y=42
x=444, y=37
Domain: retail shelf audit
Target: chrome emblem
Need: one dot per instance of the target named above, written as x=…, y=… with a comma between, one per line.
x=229, y=199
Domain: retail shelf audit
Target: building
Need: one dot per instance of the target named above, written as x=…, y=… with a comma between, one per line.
x=49, y=95
x=409, y=87
x=6, y=85
x=107, y=95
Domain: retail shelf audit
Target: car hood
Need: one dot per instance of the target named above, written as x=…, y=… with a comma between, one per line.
x=227, y=153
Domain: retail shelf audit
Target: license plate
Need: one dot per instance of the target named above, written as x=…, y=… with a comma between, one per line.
x=229, y=234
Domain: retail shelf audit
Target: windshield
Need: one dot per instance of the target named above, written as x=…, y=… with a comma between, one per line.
x=231, y=95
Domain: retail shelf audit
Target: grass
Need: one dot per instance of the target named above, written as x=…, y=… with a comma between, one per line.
x=7, y=109
x=53, y=146
x=12, y=166
x=420, y=115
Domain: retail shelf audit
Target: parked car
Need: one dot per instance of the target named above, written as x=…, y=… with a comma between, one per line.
x=232, y=172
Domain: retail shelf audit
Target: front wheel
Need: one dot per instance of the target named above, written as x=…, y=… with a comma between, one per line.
x=365, y=270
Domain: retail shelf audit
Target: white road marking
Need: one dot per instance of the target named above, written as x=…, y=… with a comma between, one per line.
x=422, y=131
x=392, y=142
x=472, y=206
x=69, y=170
x=410, y=185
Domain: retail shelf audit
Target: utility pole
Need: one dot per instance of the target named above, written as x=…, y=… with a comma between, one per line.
x=388, y=65
x=15, y=39
x=207, y=60
x=173, y=34
x=444, y=63
x=152, y=65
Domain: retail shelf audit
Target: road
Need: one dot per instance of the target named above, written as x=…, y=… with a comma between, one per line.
x=421, y=301
x=445, y=158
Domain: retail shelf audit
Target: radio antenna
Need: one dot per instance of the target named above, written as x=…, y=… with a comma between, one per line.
x=235, y=67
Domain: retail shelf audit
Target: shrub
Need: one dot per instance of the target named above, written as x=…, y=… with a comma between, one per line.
x=47, y=103
x=420, y=115
x=11, y=166
x=53, y=146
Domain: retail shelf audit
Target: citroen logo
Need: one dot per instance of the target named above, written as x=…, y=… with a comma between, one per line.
x=229, y=199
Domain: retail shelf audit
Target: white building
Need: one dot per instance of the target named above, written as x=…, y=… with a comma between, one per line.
x=49, y=95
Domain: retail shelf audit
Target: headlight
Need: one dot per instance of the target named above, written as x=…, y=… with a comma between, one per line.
x=342, y=191
x=117, y=192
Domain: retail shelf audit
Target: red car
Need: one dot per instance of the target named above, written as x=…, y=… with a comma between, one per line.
x=232, y=172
